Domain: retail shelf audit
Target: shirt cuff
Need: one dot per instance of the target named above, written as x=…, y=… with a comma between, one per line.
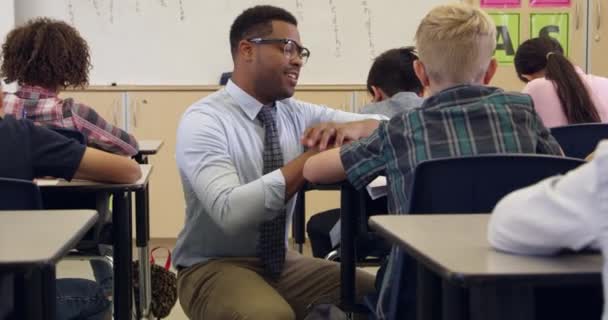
x=274, y=190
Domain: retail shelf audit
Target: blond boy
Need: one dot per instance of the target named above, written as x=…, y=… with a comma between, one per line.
x=462, y=116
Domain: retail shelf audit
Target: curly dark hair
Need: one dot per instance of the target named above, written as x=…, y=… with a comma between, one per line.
x=46, y=53
x=257, y=22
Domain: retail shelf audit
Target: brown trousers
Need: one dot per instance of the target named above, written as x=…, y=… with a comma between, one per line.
x=234, y=288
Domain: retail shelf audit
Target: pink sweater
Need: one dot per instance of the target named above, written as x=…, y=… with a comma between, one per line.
x=548, y=106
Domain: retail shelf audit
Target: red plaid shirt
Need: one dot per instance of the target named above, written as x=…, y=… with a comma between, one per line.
x=44, y=107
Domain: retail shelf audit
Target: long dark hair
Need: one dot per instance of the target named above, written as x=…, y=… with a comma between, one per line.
x=546, y=53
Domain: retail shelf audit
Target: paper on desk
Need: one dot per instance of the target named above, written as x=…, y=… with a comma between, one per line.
x=377, y=188
x=46, y=182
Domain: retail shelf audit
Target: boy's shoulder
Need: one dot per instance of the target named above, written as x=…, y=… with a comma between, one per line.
x=511, y=97
x=11, y=127
x=476, y=96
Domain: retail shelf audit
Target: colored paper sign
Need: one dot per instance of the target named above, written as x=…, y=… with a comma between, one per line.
x=550, y=3
x=507, y=36
x=500, y=3
x=556, y=25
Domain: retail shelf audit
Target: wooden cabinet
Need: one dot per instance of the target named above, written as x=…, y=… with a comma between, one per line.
x=156, y=115
x=598, y=37
x=107, y=103
x=338, y=98
x=362, y=97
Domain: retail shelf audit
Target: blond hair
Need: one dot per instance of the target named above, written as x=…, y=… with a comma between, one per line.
x=456, y=43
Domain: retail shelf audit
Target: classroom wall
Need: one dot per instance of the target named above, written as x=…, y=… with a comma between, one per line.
x=183, y=42
x=7, y=17
x=7, y=22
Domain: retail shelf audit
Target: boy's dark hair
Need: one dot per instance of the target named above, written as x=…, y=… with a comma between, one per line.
x=46, y=53
x=393, y=72
x=545, y=53
x=257, y=22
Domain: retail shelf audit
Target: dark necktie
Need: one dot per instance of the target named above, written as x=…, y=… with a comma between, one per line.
x=271, y=244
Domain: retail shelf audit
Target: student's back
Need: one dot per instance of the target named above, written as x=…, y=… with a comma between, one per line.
x=458, y=121
x=562, y=93
x=462, y=117
x=29, y=152
x=46, y=56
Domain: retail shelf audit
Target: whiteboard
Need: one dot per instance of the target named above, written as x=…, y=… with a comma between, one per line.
x=185, y=42
x=7, y=17
x=7, y=22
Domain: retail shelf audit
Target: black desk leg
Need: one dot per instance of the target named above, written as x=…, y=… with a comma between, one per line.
x=348, y=214
x=142, y=238
x=428, y=294
x=298, y=226
x=455, y=302
x=121, y=225
x=35, y=293
x=502, y=302
x=49, y=291
x=141, y=158
x=142, y=220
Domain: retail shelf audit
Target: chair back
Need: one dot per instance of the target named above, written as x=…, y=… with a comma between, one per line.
x=579, y=140
x=16, y=194
x=71, y=134
x=475, y=184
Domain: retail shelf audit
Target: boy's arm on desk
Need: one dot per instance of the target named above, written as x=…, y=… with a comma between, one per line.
x=101, y=166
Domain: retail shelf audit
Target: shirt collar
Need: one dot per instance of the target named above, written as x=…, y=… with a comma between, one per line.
x=246, y=102
x=27, y=91
x=456, y=94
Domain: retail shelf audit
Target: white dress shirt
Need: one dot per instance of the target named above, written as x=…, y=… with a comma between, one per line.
x=219, y=155
x=562, y=212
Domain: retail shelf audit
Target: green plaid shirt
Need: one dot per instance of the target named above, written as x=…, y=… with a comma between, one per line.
x=459, y=121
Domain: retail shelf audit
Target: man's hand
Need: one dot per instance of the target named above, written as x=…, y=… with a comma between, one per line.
x=330, y=134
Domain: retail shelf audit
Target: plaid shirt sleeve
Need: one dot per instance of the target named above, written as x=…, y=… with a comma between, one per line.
x=101, y=134
x=546, y=142
x=363, y=160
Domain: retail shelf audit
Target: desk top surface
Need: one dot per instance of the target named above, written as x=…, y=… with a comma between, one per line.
x=146, y=170
x=149, y=147
x=456, y=247
x=41, y=236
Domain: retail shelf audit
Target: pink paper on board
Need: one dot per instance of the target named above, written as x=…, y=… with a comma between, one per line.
x=550, y=3
x=500, y=3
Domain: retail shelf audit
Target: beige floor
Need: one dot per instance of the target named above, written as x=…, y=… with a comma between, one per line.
x=82, y=269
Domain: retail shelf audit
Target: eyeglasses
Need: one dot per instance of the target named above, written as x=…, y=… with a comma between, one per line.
x=291, y=49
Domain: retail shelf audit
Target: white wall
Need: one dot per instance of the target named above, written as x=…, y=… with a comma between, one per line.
x=186, y=41
x=7, y=22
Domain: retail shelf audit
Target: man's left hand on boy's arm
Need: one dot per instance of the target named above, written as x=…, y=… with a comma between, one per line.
x=331, y=134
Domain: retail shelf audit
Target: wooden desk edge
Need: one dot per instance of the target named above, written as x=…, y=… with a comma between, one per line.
x=159, y=144
x=469, y=279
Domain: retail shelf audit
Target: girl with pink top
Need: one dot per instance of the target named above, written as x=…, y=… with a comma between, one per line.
x=562, y=93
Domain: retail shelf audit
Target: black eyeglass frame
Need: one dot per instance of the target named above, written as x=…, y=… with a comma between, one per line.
x=303, y=52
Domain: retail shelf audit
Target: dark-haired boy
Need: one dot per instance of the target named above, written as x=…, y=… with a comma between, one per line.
x=394, y=88
x=393, y=84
